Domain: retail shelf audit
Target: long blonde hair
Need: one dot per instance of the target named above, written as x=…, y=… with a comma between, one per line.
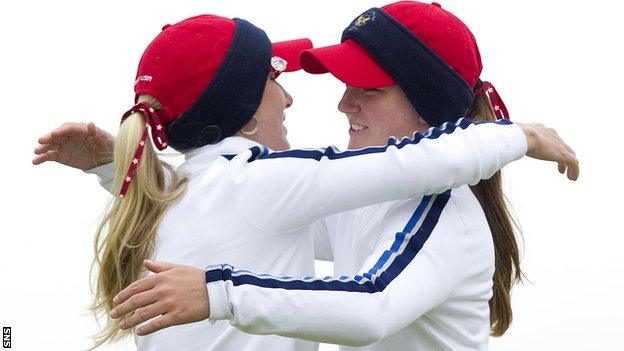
x=126, y=235
x=507, y=272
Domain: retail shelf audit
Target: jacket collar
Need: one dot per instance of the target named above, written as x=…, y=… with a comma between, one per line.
x=197, y=158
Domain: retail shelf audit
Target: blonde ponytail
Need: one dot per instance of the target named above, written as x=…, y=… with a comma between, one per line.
x=126, y=235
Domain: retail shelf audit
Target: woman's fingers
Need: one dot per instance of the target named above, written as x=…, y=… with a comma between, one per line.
x=151, y=309
x=568, y=163
x=546, y=144
x=51, y=155
x=41, y=149
x=573, y=168
x=568, y=160
x=157, y=324
x=56, y=135
x=137, y=287
x=134, y=302
x=178, y=293
x=91, y=129
x=65, y=130
x=45, y=139
x=158, y=267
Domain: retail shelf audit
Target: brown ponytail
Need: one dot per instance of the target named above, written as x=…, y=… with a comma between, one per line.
x=507, y=257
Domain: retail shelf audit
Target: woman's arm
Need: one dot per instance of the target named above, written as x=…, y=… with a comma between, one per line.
x=400, y=281
x=415, y=267
x=105, y=174
x=280, y=192
x=312, y=184
x=77, y=145
x=80, y=145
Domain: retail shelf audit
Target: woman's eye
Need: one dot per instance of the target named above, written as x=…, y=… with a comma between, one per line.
x=371, y=91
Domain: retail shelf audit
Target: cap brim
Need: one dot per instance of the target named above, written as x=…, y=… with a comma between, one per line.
x=348, y=62
x=290, y=51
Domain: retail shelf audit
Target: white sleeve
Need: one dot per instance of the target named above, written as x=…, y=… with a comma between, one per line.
x=105, y=174
x=421, y=263
x=312, y=184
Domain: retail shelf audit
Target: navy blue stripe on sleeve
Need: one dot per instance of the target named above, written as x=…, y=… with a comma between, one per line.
x=392, y=262
x=331, y=153
x=261, y=153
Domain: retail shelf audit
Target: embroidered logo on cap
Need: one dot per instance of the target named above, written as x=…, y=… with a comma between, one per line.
x=362, y=20
x=143, y=79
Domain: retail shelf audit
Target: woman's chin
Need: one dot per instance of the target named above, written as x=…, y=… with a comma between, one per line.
x=284, y=145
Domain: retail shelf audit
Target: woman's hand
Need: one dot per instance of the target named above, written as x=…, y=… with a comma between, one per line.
x=176, y=294
x=545, y=144
x=78, y=145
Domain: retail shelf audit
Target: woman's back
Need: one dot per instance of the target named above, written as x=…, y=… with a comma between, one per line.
x=207, y=226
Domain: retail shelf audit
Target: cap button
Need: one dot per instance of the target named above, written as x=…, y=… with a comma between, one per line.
x=166, y=26
x=436, y=4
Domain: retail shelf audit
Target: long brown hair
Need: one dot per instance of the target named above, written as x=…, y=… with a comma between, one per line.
x=507, y=257
x=126, y=235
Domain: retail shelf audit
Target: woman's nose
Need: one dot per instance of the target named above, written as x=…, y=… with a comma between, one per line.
x=289, y=99
x=349, y=103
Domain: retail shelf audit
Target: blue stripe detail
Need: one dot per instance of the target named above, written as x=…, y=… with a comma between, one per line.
x=417, y=214
x=263, y=153
x=256, y=152
x=400, y=237
x=358, y=283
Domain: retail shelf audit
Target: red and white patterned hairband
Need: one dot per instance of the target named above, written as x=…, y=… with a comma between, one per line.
x=497, y=102
x=158, y=137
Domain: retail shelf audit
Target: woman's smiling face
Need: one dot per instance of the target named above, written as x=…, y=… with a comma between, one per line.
x=376, y=114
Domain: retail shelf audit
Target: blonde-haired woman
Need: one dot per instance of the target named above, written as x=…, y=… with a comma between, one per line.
x=206, y=86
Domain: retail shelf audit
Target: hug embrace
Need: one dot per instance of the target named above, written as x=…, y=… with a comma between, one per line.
x=412, y=214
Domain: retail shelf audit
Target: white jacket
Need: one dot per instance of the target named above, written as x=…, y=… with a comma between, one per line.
x=253, y=208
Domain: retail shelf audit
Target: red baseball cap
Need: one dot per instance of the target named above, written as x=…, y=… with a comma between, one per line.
x=209, y=74
x=289, y=52
x=181, y=62
x=446, y=35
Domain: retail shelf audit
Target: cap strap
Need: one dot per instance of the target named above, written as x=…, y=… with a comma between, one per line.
x=497, y=102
